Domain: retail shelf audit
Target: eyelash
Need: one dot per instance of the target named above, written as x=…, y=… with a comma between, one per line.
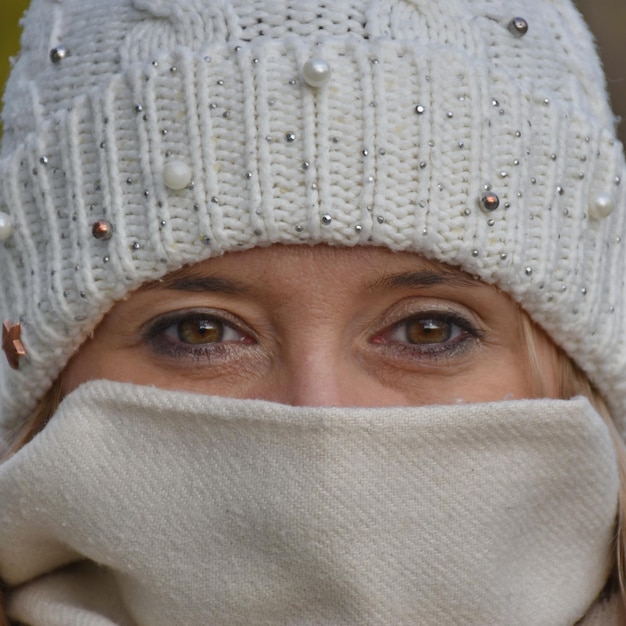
x=463, y=332
x=156, y=335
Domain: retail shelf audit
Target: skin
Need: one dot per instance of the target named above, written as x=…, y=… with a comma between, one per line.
x=320, y=326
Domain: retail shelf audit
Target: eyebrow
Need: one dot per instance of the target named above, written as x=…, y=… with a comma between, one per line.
x=198, y=284
x=423, y=278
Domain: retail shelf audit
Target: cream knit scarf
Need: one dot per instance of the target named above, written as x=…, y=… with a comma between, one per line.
x=145, y=507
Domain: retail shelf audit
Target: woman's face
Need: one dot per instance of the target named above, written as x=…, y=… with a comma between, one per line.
x=320, y=326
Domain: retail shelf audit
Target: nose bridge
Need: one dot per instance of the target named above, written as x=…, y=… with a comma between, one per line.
x=326, y=375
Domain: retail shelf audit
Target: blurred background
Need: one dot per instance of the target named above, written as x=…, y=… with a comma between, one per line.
x=607, y=19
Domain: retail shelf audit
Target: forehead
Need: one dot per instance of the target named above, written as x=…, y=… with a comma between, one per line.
x=366, y=267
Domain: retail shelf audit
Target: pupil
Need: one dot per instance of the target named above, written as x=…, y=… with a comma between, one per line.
x=200, y=331
x=428, y=331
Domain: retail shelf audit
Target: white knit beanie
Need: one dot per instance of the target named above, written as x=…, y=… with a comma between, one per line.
x=141, y=135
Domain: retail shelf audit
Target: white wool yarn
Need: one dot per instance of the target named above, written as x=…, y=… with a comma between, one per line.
x=141, y=135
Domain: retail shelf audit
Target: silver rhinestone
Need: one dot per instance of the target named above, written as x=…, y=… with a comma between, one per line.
x=214, y=199
x=293, y=81
x=226, y=114
x=491, y=222
x=474, y=252
x=299, y=229
x=370, y=179
x=374, y=61
x=326, y=219
x=382, y=152
x=364, y=153
x=495, y=103
x=449, y=114
x=290, y=137
x=380, y=219
x=518, y=26
x=518, y=133
x=43, y=160
x=370, y=207
x=106, y=259
x=560, y=190
x=515, y=161
x=248, y=175
x=212, y=105
x=136, y=245
x=553, y=156
x=58, y=54
x=546, y=101
x=424, y=232
x=503, y=255
x=306, y=165
x=419, y=109
x=503, y=174
x=173, y=69
x=584, y=291
x=206, y=240
x=164, y=132
x=129, y=181
x=220, y=82
x=422, y=164
x=618, y=180
x=460, y=144
x=255, y=61
x=467, y=212
x=313, y=186
x=138, y=108
x=618, y=239
x=335, y=139
x=358, y=228
x=528, y=271
x=146, y=193
x=533, y=180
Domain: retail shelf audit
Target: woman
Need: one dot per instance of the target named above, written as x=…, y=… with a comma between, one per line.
x=298, y=301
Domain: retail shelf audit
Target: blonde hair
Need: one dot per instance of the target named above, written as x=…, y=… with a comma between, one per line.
x=572, y=382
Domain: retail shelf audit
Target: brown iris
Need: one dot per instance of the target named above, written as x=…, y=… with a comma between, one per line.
x=200, y=331
x=426, y=331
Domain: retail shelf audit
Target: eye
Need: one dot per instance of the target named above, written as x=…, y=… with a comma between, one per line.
x=194, y=334
x=430, y=334
x=201, y=330
x=423, y=331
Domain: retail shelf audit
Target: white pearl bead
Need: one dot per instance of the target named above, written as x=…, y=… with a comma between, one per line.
x=176, y=175
x=316, y=72
x=6, y=226
x=602, y=206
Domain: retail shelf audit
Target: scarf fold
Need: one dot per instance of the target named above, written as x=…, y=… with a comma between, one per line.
x=144, y=507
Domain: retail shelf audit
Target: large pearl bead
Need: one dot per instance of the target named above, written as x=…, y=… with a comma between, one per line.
x=176, y=175
x=316, y=72
x=601, y=206
x=6, y=226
